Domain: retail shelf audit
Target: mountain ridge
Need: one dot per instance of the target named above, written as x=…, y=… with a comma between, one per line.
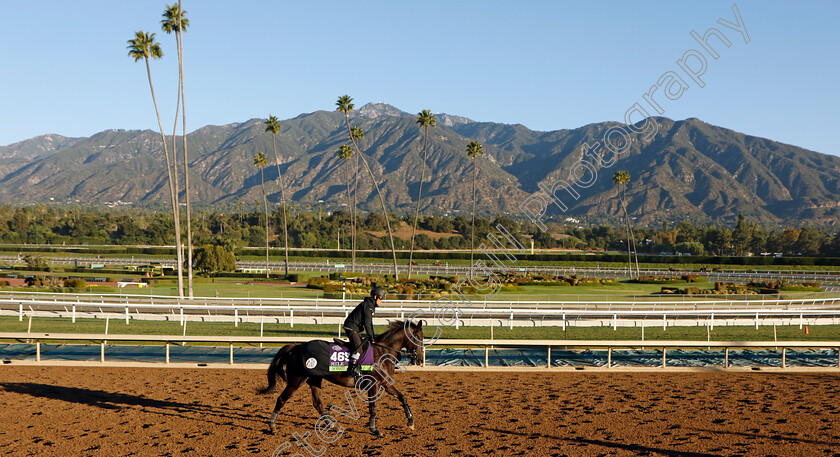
x=691, y=169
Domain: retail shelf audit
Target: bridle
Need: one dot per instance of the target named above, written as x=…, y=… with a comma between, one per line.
x=412, y=353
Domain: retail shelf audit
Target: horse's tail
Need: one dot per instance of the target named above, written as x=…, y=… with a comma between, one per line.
x=278, y=368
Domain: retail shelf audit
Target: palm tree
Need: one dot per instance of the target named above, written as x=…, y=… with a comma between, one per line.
x=144, y=46
x=273, y=125
x=174, y=21
x=474, y=150
x=425, y=119
x=622, y=178
x=346, y=152
x=261, y=162
x=345, y=105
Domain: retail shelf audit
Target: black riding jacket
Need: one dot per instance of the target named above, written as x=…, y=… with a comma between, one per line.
x=362, y=317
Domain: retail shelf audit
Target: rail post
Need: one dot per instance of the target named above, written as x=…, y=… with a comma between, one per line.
x=102, y=351
x=664, y=350
x=548, y=365
x=37, y=350
x=167, y=352
x=236, y=317
x=20, y=312
x=664, y=322
x=726, y=358
x=784, y=357
x=609, y=357
x=231, y=353
x=291, y=318
x=486, y=356
x=126, y=314
x=74, y=314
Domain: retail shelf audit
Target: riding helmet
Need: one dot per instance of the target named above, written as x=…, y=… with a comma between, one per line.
x=377, y=292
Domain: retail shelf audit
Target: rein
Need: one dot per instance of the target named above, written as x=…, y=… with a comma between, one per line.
x=384, y=347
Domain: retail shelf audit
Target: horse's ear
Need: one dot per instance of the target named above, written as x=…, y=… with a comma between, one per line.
x=420, y=324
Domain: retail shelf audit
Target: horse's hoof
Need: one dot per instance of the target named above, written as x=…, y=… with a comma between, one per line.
x=411, y=426
x=376, y=433
x=273, y=428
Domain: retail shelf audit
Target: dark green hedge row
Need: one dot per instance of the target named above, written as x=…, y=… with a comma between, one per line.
x=710, y=261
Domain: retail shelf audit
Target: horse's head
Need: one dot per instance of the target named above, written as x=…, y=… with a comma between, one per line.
x=413, y=341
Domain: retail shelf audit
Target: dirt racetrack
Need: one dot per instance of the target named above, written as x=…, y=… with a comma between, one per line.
x=54, y=411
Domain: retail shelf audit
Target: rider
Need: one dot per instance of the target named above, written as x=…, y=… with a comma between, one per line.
x=361, y=318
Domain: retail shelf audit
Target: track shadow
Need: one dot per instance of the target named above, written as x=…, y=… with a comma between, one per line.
x=117, y=401
x=769, y=437
x=609, y=444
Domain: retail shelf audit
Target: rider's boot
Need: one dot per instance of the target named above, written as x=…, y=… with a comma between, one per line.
x=353, y=366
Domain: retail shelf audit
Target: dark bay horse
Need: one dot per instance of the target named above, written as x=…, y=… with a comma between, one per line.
x=288, y=365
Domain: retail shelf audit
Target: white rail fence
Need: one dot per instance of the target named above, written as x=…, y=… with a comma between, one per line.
x=447, y=269
x=168, y=340
x=823, y=311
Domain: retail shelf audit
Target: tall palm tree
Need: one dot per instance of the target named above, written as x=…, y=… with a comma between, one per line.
x=425, y=119
x=345, y=105
x=346, y=152
x=273, y=125
x=144, y=46
x=174, y=21
x=261, y=162
x=622, y=178
x=474, y=150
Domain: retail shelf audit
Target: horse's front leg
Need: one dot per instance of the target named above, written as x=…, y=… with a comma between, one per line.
x=372, y=423
x=393, y=391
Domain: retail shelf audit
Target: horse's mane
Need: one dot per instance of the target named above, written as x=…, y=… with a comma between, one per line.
x=394, y=327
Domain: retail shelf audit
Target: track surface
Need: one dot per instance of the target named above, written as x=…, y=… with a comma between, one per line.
x=153, y=412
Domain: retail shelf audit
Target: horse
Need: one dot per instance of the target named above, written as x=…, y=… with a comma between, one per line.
x=288, y=365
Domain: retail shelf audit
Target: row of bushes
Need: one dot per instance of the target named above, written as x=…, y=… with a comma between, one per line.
x=669, y=279
x=760, y=287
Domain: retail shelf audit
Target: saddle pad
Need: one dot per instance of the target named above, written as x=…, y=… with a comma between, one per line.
x=340, y=358
x=321, y=358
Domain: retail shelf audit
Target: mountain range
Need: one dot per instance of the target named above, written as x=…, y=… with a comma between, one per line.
x=691, y=170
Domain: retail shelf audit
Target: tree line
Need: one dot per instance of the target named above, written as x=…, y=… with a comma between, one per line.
x=332, y=230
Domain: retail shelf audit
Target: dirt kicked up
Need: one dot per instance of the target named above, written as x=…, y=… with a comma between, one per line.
x=175, y=412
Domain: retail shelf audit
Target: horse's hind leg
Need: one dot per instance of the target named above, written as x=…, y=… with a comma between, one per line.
x=393, y=391
x=317, y=402
x=291, y=386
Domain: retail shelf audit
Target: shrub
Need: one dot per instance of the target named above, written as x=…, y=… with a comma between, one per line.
x=75, y=283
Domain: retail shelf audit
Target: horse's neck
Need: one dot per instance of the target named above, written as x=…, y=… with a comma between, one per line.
x=391, y=341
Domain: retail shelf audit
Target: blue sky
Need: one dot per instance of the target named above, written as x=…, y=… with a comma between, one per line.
x=545, y=64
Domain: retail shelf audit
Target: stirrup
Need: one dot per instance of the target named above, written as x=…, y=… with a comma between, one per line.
x=353, y=372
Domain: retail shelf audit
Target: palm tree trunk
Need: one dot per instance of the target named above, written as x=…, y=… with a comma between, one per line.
x=349, y=206
x=632, y=235
x=265, y=204
x=419, y=196
x=282, y=203
x=173, y=188
x=180, y=40
x=379, y=193
x=355, y=211
x=629, y=233
x=472, y=230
